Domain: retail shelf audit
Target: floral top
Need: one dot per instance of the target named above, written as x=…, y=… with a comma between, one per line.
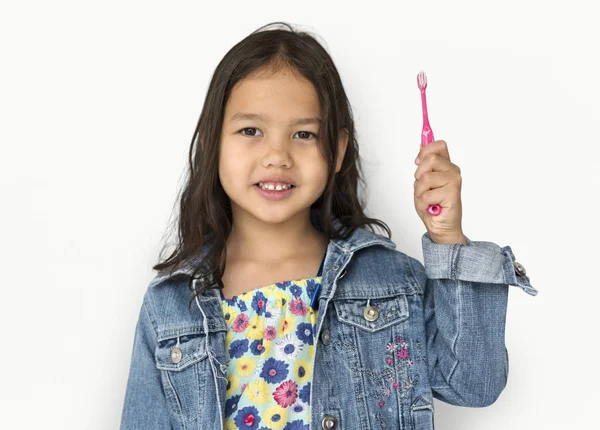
x=270, y=345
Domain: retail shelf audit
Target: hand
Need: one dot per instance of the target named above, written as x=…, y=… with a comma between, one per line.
x=438, y=180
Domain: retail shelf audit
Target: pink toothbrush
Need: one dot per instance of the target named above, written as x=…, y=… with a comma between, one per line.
x=427, y=133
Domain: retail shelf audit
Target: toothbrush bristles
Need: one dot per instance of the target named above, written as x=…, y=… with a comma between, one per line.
x=422, y=80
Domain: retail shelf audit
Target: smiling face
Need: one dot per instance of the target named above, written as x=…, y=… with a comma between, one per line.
x=270, y=136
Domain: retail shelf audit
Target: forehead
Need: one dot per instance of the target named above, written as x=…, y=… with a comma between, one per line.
x=276, y=97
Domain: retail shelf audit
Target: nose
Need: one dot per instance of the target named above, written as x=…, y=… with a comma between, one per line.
x=277, y=154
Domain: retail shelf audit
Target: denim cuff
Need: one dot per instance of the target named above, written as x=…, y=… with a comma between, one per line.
x=484, y=262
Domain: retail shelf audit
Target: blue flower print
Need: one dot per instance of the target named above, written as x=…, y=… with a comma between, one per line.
x=305, y=394
x=296, y=425
x=259, y=303
x=295, y=290
x=304, y=331
x=238, y=347
x=311, y=286
x=283, y=285
x=242, y=305
x=274, y=371
x=247, y=418
x=231, y=405
x=256, y=347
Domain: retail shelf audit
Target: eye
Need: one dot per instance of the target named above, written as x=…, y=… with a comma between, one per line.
x=308, y=132
x=248, y=128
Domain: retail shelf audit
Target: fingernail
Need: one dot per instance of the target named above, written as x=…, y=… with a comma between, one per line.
x=417, y=160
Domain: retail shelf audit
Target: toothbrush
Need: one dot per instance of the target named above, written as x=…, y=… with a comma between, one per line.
x=427, y=133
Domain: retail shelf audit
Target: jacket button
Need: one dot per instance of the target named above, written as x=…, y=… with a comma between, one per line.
x=176, y=355
x=335, y=267
x=371, y=313
x=329, y=422
x=325, y=337
x=519, y=269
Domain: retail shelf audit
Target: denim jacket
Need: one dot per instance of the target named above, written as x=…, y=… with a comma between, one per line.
x=391, y=335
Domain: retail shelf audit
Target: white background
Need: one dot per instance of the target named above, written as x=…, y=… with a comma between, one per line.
x=98, y=103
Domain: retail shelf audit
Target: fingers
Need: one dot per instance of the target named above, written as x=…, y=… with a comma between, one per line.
x=436, y=147
x=435, y=163
x=433, y=180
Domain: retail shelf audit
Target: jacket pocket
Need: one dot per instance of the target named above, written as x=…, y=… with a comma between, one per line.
x=184, y=367
x=372, y=314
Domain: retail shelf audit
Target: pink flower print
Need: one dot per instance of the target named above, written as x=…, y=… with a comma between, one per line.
x=240, y=323
x=404, y=345
x=244, y=387
x=386, y=391
x=409, y=363
x=403, y=353
x=396, y=385
x=381, y=403
x=270, y=333
x=389, y=360
x=391, y=347
x=298, y=307
x=286, y=394
x=398, y=339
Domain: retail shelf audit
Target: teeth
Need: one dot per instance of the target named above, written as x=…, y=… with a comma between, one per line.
x=272, y=187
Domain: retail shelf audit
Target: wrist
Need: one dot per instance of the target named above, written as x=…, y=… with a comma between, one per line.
x=449, y=239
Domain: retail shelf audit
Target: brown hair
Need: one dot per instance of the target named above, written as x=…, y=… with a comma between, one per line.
x=205, y=210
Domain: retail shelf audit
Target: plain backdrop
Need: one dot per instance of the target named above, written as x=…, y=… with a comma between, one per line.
x=98, y=104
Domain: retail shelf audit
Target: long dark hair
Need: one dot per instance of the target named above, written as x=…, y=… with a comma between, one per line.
x=205, y=210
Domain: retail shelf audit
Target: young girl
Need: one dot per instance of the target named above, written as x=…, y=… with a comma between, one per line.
x=281, y=308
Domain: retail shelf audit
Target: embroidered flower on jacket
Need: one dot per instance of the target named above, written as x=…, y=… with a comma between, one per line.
x=247, y=418
x=391, y=347
x=403, y=353
x=381, y=403
x=409, y=363
x=274, y=371
x=287, y=348
x=396, y=385
x=240, y=323
x=389, y=360
x=386, y=391
x=298, y=307
x=286, y=394
x=398, y=339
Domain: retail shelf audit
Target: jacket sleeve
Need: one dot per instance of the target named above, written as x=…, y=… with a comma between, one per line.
x=145, y=405
x=465, y=301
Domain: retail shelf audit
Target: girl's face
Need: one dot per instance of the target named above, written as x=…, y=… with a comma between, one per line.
x=269, y=136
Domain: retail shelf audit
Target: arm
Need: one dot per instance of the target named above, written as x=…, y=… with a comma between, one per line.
x=145, y=404
x=465, y=301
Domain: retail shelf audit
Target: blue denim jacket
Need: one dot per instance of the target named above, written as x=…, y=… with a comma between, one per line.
x=392, y=335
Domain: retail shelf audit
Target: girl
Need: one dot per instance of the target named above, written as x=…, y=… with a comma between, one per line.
x=281, y=307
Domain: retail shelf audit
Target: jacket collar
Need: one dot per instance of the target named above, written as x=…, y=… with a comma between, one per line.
x=360, y=238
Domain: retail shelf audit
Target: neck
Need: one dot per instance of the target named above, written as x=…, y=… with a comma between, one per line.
x=253, y=239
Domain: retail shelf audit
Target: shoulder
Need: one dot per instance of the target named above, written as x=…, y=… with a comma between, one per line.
x=380, y=264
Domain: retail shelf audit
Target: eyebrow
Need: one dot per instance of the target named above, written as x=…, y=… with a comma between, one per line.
x=239, y=116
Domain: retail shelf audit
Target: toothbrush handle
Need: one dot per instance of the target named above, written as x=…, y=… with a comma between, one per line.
x=426, y=138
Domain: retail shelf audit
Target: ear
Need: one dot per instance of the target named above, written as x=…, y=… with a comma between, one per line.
x=342, y=145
